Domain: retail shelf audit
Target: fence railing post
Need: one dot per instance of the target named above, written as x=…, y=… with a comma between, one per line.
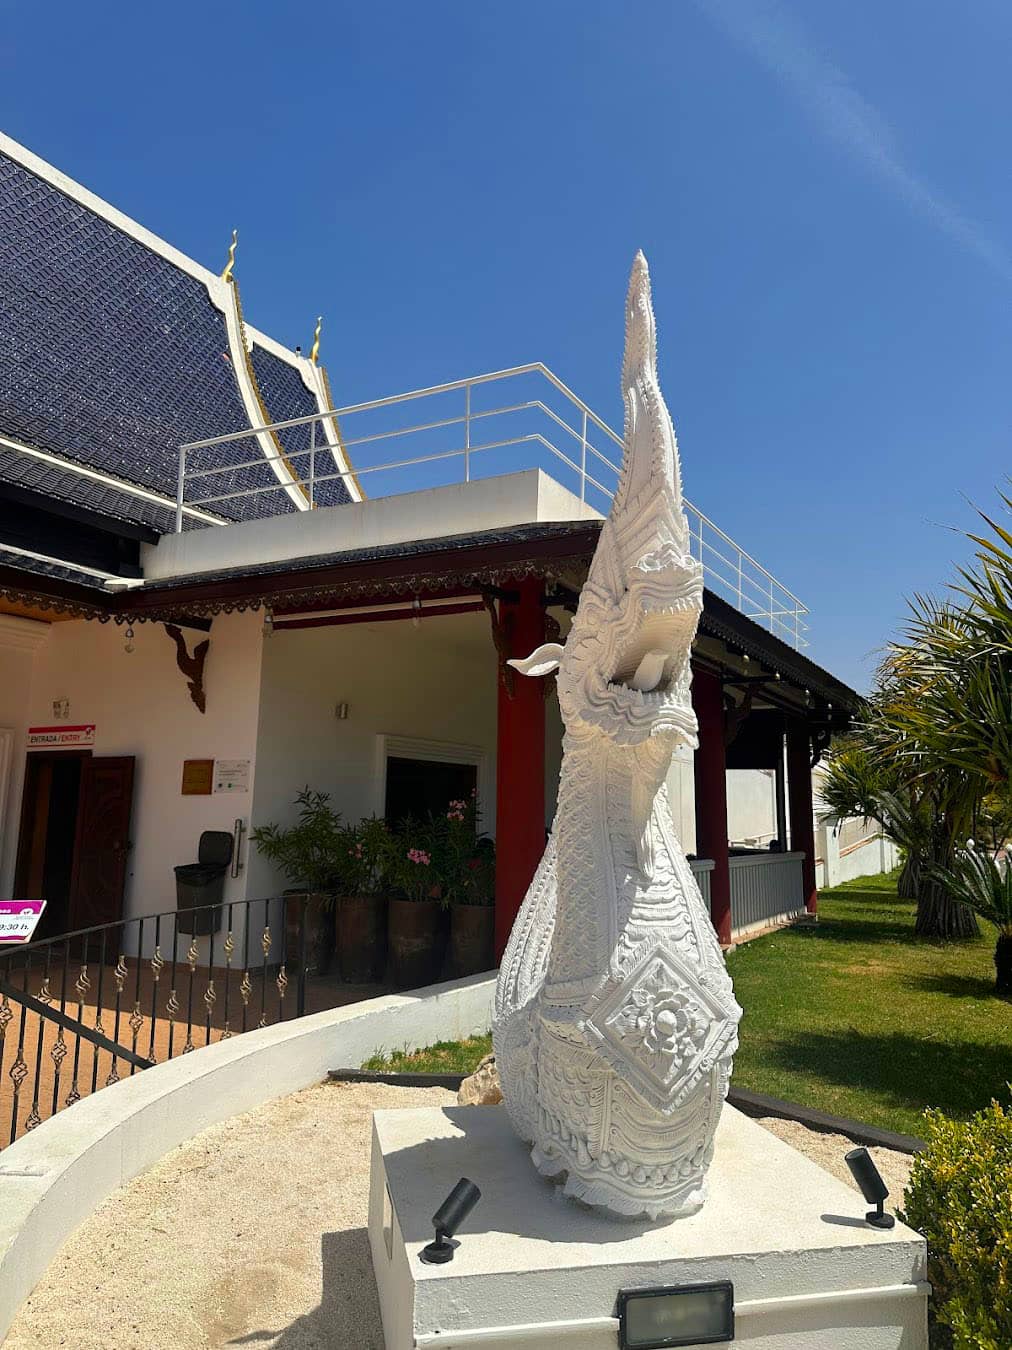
x=312, y=464
x=180, y=484
x=300, y=993
x=583, y=460
x=467, y=433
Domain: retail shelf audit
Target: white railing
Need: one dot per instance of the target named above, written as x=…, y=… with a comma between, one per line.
x=766, y=888
x=526, y=406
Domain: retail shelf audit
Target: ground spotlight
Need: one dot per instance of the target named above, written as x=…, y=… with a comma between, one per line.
x=447, y=1219
x=873, y=1188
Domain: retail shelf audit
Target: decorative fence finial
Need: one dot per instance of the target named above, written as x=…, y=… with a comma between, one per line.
x=315, y=352
x=227, y=274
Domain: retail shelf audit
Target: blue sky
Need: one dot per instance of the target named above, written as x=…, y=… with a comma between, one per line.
x=822, y=190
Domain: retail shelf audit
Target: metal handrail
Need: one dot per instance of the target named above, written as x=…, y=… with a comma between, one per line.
x=78, y=1007
x=755, y=590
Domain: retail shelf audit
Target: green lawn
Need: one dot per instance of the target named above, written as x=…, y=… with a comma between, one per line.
x=443, y=1057
x=857, y=1016
x=853, y=1015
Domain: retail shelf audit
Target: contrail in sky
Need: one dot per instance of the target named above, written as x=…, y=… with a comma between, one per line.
x=766, y=30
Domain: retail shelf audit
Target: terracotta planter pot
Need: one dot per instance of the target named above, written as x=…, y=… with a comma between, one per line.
x=319, y=936
x=416, y=941
x=361, y=937
x=471, y=939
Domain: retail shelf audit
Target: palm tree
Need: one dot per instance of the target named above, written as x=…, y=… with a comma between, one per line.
x=984, y=884
x=854, y=782
x=931, y=756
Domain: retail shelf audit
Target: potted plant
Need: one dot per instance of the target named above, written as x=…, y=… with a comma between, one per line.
x=416, y=933
x=366, y=856
x=308, y=853
x=467, y=872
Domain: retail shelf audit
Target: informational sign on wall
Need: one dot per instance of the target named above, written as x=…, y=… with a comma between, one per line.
x=231, y=775
x=60, y=737
x=19, y=920
x=198, y=777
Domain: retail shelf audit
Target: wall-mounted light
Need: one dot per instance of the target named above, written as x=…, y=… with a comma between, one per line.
x=447, y=1219
x=268, y=622
x=416, y=613
x=341, y=712
x=873, y=1188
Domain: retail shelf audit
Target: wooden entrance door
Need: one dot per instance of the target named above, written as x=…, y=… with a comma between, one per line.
x=102, y=843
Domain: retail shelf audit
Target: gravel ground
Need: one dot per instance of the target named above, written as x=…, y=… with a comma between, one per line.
x=254, y=1234
x=828, y=1150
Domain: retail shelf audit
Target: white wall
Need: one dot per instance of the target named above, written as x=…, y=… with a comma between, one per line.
x=850, y=849
x=751, y=806
x=141, y=706
x=682, y=797
x=436, y=681
x=20, y=640
x=481, y=504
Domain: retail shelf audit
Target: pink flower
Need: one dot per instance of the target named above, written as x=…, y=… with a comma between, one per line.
x=418, y=855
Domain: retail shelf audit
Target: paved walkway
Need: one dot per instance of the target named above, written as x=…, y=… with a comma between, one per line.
x=254, y=1234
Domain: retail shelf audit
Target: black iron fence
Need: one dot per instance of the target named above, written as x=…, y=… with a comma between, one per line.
x=80, y=1011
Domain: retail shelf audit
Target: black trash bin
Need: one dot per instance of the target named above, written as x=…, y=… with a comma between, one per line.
x=201, y=883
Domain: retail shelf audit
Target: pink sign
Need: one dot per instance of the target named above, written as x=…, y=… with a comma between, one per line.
x=19, y=919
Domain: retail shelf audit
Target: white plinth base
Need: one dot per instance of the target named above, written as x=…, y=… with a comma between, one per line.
x=536, y=1270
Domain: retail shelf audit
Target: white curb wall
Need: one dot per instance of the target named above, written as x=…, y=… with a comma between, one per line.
x=52, y=1179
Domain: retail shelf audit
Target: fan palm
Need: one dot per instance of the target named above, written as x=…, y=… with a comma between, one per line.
x=855, y=782
x=985, y=884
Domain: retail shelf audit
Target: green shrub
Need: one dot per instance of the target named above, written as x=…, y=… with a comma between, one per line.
x=960, y=1198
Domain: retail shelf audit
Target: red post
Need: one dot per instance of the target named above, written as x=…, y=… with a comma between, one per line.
x=799, y=793
x=520, y=760
x=711, y=796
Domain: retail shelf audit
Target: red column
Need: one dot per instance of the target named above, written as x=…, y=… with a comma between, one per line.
x=799, y=794
x=520, y=760
x=711, y=796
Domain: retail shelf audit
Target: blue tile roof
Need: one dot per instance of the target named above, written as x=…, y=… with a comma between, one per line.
x=112, y=356
x=286, y=396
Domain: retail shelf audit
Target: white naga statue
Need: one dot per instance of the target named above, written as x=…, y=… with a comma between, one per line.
x=615, y=1020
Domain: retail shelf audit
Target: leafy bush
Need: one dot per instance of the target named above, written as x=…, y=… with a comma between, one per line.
x=960, y=1198
x=367, y=857
x=985, y=885
x=308, y=852
x=464, y=858
x=412, y=870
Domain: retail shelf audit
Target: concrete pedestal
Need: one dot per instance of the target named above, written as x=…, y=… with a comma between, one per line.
x=536, y=1270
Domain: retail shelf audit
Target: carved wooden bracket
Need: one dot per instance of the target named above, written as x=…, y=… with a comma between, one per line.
x=501, y=638
x=191, y=666
x=734, y=715
x=821, y=737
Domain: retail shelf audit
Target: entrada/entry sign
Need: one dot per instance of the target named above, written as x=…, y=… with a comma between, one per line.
x=60, y=737
x=19, y=920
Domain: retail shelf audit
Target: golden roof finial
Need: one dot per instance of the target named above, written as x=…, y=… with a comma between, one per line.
x=314, y=354
x=227, y=274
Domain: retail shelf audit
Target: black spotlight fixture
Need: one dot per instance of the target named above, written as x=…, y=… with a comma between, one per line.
x=873, y=1188
x=447, y=1219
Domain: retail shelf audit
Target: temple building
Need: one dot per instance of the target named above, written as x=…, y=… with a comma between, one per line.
x=217, y=587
